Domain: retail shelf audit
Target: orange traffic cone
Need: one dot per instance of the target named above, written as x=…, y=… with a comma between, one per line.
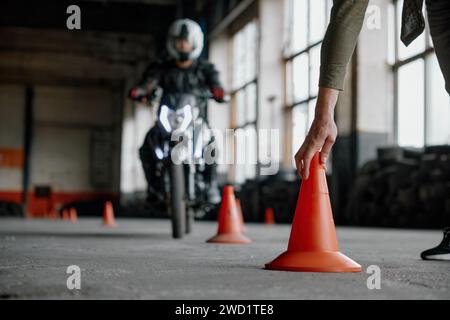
x=241, y=216
x=65, y=214
x=73, y=215
x=313, y=245
x=108, y=215
x=53, y=215
x=269, y=217
x=230, y=226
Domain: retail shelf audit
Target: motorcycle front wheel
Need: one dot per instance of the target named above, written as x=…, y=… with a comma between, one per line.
x=177, y=200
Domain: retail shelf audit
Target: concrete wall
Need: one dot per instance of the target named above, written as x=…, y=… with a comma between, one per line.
x=65, y=119
x=271, y=72
x=137, y=120
x=365, y=108
x=219, y=114
x=364, y=113
x=12, y=104
x=375, y=84
x=79, y=81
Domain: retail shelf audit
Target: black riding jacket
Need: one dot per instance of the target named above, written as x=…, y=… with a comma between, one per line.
x=202, y=75
x=165, y=74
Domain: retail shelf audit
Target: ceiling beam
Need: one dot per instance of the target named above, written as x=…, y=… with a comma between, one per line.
x=95, y=15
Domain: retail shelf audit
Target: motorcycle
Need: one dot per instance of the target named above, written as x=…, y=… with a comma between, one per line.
x=178, y=142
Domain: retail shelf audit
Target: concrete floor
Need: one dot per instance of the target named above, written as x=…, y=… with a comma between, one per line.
x=139, y=260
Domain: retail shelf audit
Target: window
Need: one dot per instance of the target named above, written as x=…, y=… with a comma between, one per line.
x=422, y=106
x=306, y=22
x=244, y=100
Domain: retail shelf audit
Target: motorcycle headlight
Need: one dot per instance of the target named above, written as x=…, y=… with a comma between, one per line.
x=175, y=121
x=164, y=118
x=187, y=118
x=159, y=153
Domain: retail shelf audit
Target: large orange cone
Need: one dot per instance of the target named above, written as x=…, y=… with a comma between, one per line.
x=108, y=215
x=241, y=216
x=230, y=225
x=313, y=245
x=269, y=217
x=73, y=215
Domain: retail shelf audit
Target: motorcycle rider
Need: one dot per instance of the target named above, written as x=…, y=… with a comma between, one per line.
x=182, y=72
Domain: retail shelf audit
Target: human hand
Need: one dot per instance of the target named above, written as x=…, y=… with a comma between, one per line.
x=322, y=134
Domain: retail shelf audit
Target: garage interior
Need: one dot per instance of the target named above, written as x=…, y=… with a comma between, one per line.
x=69, y=138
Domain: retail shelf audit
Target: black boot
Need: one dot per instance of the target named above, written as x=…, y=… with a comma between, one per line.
x=442, y=251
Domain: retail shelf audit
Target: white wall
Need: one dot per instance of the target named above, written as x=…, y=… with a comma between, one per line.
x=64, y=118
x=12, y=106
x=137, y=120
x=56, y=63
x=73, y=106
x=219, y=114
x=375, y=87
x=375, y=81
x=270, y=80
x=60, y=159
x=271, y=75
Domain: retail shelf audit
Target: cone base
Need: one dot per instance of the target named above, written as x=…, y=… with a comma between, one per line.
x=229, y=238
x=324, y=261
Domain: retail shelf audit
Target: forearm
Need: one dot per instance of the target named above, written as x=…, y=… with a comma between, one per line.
x=150, y=78
x=346, y=21
x=322, y=134
x=326, y=102
x=347, y=17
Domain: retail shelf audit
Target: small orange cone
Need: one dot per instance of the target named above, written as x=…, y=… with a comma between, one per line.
x=313, y=245
x=269, y=217
x=65, y=214
x=108, y=215
x=53, y=215
x=73, y=215
x=241, y=216
x=230, y=225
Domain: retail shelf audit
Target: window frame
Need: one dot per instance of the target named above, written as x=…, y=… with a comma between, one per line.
x=233, y=100
x=425, y=55
x=290, y=103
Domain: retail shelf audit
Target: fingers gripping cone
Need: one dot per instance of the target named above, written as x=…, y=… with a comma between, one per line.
x=269, y=217
x=313, y=245
x=108, y=215
x=230, y=225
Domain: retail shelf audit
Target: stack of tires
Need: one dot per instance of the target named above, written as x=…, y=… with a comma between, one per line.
x=403, y=188
x=278, y=192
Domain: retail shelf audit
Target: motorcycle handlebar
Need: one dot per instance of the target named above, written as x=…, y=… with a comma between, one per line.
x=141, y=95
